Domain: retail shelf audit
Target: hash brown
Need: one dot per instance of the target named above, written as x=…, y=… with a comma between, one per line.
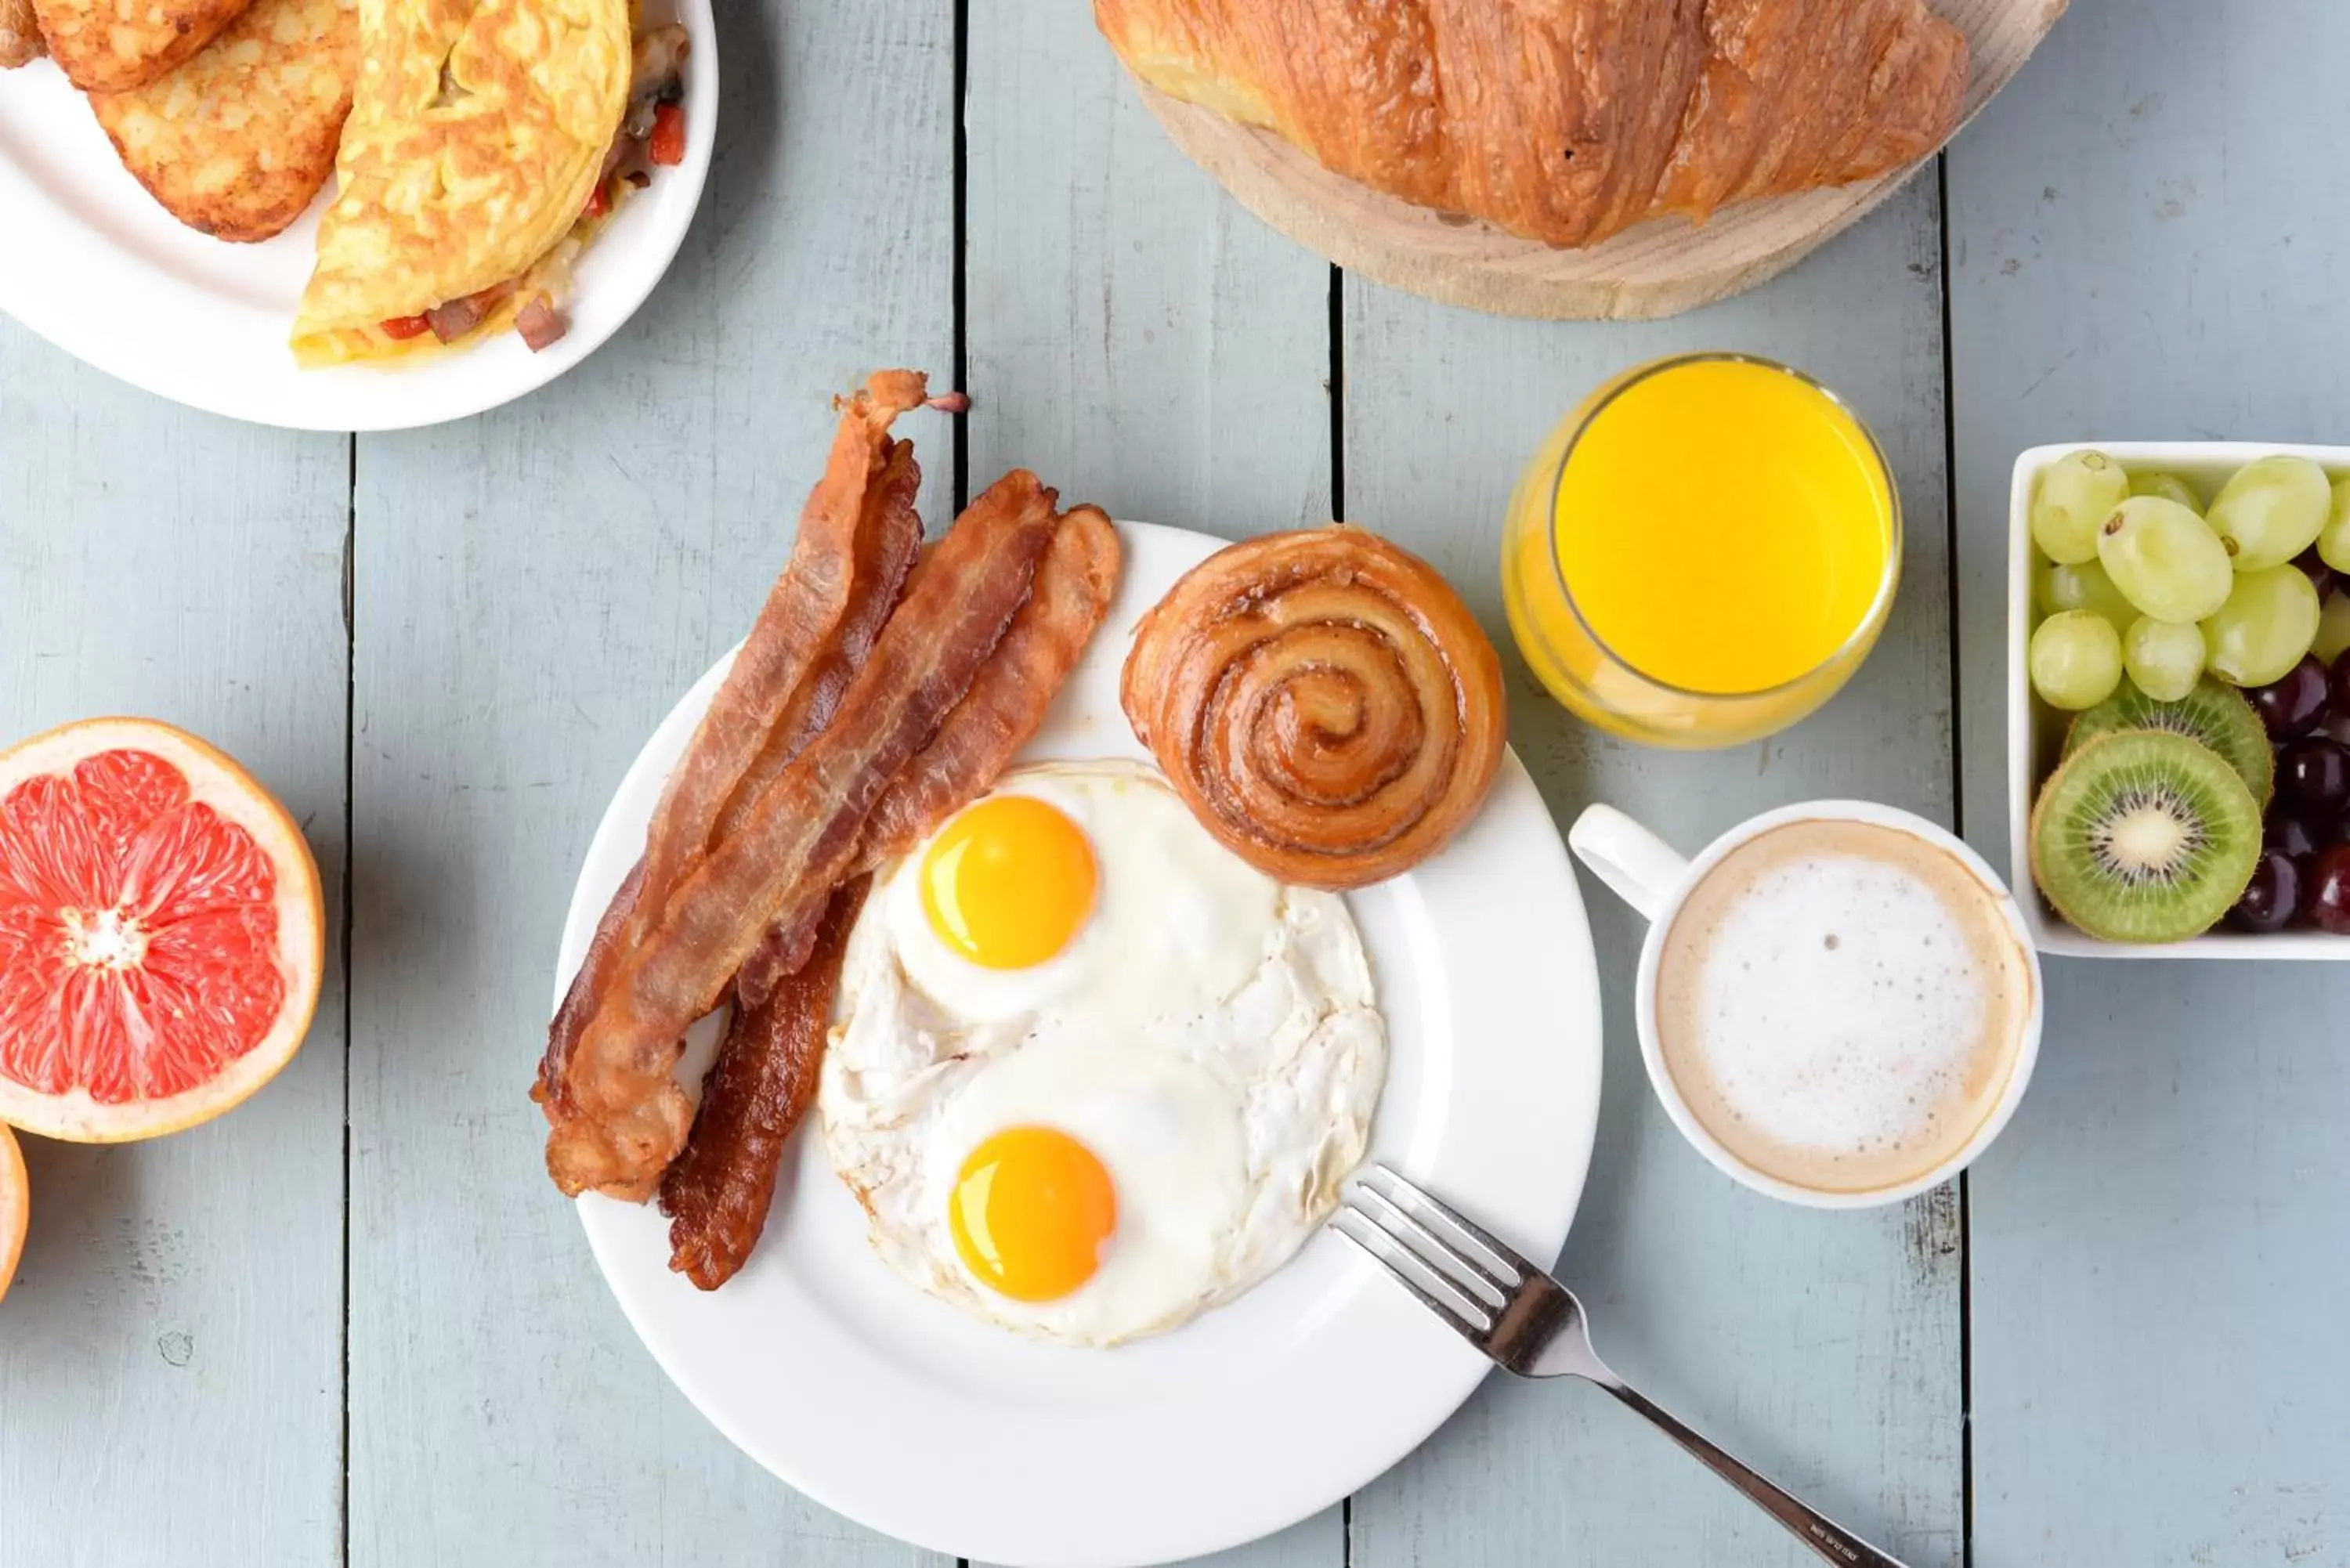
x=236, y=141
x=113, y=46
x=20, y=35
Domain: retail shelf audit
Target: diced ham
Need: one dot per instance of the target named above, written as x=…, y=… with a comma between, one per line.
x=539, y=323
x=454, y=319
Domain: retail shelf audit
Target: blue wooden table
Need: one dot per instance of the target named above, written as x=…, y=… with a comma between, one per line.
x=352, y=1322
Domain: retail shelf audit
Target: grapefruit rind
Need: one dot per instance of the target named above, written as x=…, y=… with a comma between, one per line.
x=16, y=1207
x=215, y=780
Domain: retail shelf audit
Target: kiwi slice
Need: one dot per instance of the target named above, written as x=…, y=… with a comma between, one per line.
x=2143, y=836
x=2215, y=714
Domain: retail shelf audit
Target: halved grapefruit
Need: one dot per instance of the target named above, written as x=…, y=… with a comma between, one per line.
x=16, y=1207
x=161, y=933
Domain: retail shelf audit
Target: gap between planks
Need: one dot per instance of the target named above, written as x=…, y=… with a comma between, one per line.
x=1958, y=827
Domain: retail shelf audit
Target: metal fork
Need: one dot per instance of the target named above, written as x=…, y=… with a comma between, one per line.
x=1529, y=1324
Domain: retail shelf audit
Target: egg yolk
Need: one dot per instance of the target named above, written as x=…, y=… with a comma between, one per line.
x=1032, y=1210
x=1008, y=882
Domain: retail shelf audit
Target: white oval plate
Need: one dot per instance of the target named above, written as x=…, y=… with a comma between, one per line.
x=93, y=265
x=897, y=1411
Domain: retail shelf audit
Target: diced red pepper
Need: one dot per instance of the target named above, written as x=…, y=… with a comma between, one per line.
x=403, y=328
x=668, y=146
x=599, y=200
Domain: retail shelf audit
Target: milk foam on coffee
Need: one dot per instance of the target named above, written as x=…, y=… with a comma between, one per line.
x=1840, y=1003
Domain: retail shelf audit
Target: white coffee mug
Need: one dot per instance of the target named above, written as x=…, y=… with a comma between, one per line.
x=1647, y=874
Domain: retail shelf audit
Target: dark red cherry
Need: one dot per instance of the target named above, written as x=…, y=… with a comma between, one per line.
x=2341, y=684
x=2293, y=704
x=2313, y=775
x=2319, y=575
x=2325, y=891
x=2272, y=898
x=2292, y=835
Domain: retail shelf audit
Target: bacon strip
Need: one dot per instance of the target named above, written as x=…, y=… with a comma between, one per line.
x=888, y=539
x=896, y=538
x=605, y=950
x=858, y=518
x=1006, y=703
x=717, y=1193
x=625, y=1119
x=999, y=714
x=797, y=621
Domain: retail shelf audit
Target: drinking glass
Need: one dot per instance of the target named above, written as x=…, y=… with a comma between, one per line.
x=1606, y=689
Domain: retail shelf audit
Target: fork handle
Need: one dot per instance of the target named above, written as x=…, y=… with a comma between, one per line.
x=1815, y=1530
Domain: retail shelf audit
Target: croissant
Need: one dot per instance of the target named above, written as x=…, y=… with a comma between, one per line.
x=1565, y=121
x=1323, y=701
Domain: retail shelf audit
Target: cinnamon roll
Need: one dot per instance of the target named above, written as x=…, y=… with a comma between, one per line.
x=1322, y=701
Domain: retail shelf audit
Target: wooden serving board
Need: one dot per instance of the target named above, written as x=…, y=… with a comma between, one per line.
x=1654, y=269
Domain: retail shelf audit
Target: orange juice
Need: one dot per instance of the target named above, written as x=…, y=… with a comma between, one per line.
x=1702, y=553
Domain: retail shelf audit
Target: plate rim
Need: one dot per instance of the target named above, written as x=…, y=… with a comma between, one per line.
x=452, y=387
x=1232, y=1521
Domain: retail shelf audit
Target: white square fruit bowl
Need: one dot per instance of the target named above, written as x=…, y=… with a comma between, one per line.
x=2036, y=732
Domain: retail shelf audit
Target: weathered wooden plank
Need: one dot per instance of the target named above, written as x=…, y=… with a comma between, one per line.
x=1134, y=337
x=1824, y=1349
x=535, y=588
x=1132, y=334
x=170, y=1357
x=2158, y=1242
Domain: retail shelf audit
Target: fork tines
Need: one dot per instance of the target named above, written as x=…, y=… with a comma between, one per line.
x=1457, y=1268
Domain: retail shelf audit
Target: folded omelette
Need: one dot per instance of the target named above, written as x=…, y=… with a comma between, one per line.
x=477, y=134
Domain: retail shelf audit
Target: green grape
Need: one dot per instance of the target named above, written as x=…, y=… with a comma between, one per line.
x=2076, y=494
x=2085, y=586
x=2163, y=659
x=2268, y=622
x=2076, y=660
x=2333, y=544
x=2271, y=510
x=2171, y=487
x=2165, y=559
x=2332, y=628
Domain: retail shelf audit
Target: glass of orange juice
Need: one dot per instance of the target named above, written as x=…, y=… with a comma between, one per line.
x=1703, y=552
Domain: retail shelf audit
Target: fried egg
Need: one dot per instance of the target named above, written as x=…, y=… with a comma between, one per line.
x=1090, y=1073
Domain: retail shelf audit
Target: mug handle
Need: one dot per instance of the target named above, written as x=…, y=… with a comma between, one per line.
x=1642, y=868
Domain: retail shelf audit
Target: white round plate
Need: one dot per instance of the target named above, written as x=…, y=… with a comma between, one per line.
x=897, y=1410
x=94, y=266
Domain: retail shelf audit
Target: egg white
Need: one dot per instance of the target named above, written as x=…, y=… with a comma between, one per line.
x=1210, y=1034
x=1191, y=922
